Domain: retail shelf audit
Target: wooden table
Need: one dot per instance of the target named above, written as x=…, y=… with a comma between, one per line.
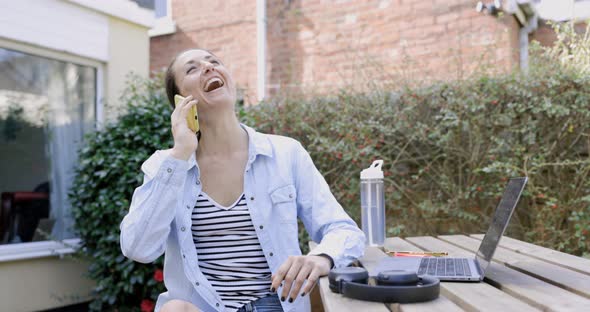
x=521, y=277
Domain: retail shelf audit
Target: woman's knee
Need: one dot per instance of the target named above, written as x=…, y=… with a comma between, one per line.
x=179, y=306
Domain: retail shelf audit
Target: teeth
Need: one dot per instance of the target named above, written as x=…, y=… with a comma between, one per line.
x=211, y=81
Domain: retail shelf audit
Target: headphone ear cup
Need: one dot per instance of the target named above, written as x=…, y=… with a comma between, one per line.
x=338, y=276
x=397, y=278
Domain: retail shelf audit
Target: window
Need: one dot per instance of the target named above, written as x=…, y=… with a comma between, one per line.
x=161, y=8
x=46, y=107
x=164, y=25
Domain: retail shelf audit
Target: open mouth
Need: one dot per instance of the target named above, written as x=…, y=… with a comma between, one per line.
x=213, y=84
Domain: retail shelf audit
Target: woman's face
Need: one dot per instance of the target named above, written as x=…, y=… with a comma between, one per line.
x=202, y=75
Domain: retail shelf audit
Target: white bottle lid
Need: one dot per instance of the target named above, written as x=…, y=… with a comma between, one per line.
x=374, y=171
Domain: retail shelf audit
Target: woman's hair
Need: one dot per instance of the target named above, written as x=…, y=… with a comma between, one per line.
x=170, y=79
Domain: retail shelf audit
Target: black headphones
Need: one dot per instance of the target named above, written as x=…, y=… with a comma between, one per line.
x=392, y=286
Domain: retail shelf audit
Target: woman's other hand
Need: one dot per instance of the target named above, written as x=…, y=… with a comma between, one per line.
x=185, y=140
x=295, y=271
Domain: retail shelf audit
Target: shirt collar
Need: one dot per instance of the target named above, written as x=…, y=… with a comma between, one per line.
x=258, y=144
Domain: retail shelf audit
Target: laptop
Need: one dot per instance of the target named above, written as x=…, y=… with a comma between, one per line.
x=465, y=269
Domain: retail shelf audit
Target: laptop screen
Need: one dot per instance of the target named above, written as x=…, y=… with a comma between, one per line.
x=500, y=221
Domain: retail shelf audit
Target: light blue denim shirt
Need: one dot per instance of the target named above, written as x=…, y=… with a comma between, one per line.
x=281, y=184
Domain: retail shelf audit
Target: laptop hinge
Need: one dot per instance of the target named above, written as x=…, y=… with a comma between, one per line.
x=479, y=270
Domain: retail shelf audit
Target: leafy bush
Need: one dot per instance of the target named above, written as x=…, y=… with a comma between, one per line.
x=106, y=176
x=448, y=148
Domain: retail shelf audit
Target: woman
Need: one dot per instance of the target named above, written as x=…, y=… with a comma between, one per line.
x=224, y=207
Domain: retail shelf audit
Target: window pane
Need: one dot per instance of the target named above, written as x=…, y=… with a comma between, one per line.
x=46, y=106
x=161, y=8
x=147, y=4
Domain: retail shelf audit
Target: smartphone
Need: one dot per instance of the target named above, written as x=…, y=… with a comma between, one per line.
x=192, y=118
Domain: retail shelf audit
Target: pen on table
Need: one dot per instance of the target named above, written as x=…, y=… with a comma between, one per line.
x=418, y=253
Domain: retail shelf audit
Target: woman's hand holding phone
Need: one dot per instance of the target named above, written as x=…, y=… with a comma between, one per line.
x=192, y=118
x=185, y=139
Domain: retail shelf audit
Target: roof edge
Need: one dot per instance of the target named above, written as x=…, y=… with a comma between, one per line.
x=122, y=9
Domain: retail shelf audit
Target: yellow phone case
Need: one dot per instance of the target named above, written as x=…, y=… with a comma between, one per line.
x=192, y=118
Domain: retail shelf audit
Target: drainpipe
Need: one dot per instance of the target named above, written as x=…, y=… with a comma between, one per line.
x=526, y=16
x=523, y=39
x=261, y=49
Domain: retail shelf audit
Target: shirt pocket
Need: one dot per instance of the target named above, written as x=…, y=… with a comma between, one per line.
x=284, y=203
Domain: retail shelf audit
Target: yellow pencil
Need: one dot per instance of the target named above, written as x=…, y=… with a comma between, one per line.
x=419, y=253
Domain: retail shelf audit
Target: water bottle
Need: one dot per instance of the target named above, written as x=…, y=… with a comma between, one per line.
x=373, y=204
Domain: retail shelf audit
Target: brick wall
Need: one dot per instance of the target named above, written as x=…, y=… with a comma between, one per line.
x=227, y=28
x=545, y=35
x=329, y=44
x=321, y=45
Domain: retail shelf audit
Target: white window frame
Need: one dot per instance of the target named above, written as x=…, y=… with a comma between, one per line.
x=164, y=25
x=40, y=249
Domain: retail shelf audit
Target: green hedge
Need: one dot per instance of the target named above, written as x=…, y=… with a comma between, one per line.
x=108, y=172
x=448, y=150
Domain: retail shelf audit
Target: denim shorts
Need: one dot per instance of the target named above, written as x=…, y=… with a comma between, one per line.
x=270, y=303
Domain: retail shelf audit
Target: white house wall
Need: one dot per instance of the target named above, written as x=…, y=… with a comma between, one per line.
x=110, y=36
x=57, y=25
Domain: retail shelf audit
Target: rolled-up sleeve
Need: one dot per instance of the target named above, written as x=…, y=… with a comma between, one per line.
x=145, y=228
x=325, y=220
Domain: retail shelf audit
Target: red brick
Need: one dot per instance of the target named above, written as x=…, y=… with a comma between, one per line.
x=448, y=17
x=311, y=47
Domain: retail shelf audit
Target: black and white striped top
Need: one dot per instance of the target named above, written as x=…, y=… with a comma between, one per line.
x=230, y=255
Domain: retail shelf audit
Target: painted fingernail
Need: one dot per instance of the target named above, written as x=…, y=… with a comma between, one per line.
x=290, y=300
x=302, y=294
x=272, y=289
x=282, y=298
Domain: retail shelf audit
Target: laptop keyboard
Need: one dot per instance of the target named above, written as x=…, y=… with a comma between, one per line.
x=444, y=267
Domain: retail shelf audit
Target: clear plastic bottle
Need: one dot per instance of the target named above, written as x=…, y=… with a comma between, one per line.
x=373, y=204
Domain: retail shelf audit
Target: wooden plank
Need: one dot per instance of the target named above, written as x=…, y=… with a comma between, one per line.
x=398, y=244
x=372, y=257
x=534, y=291
x=334, y=302
x=471, y=296
x=466, y=295
x=563, y=259
x=315, y=299
x=573, y=281
x=565, y=278
x=371, y=260
x=442, y=303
